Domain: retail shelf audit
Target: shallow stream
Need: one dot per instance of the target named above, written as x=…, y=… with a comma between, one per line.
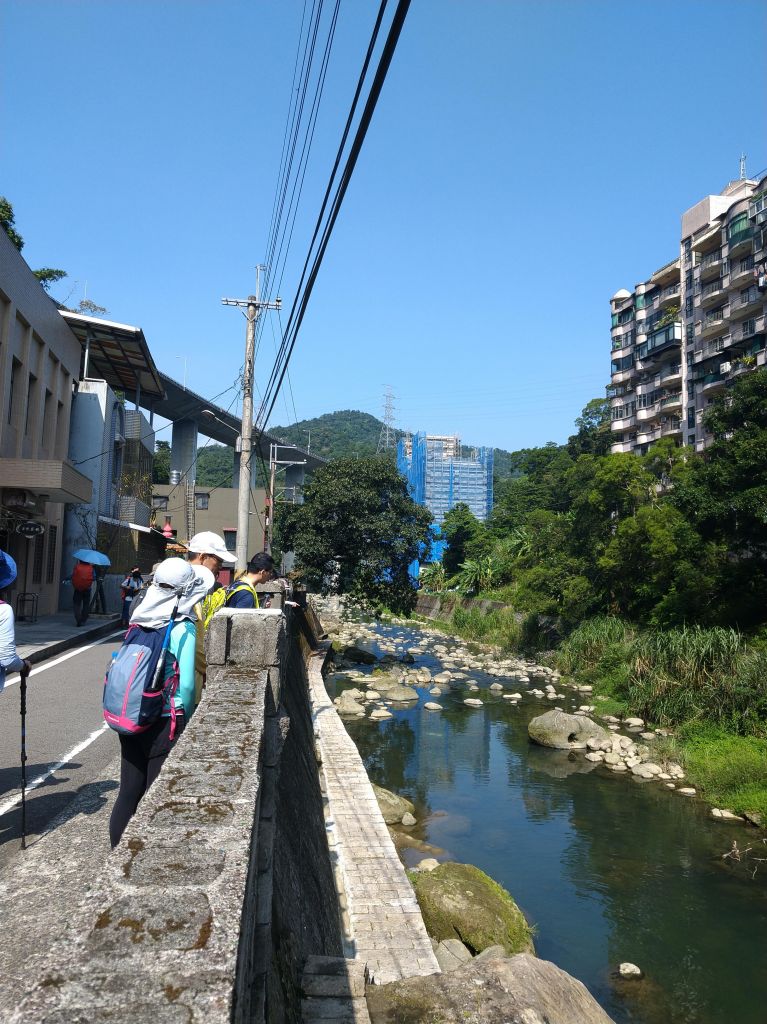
x=607, y=868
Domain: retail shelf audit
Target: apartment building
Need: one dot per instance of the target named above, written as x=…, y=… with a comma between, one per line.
x=694, y=326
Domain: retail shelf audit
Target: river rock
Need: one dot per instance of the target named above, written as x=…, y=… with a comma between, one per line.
x=496, y=686
x=452, y=954
x=595, y=755
x=347, y=704
x=431, y=705
x=402, y=694
x=408, y=819
x=392, y=806
x=427, y=864
x=686, y=791
x=436, y=690
x=442, y=677
x=359, y=655
x=612, y=758
x=473, y=702
x=722, y=815
x=459, y=900
x=562, y=731
x=490, y=989
x=379, y=714
x=372, y=695
x=627, y=970
x=633, y=723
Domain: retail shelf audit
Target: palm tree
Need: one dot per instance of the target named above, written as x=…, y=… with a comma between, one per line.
x=433, y=577
x=476, y=574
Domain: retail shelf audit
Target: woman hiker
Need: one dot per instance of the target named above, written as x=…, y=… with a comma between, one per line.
x=9, y=659
x=129, y=587
x=144, y=754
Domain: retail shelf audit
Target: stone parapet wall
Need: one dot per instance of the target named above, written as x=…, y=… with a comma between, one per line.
x=442, y=606
x=381, y=920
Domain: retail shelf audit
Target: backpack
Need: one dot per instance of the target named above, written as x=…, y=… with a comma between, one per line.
x=136, y=689
x=212, y=603
x=82, y=576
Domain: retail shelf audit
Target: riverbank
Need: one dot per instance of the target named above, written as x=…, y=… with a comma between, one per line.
x=707, y=688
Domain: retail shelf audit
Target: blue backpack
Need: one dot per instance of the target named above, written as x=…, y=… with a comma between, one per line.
x=136, y=687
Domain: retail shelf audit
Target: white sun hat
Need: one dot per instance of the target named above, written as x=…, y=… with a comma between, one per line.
x=174, y=579
x=208, y=543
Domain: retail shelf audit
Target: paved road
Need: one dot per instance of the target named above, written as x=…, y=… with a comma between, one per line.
x=64, y=724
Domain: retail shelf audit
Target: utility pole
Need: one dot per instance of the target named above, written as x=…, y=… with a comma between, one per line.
x=253, y=305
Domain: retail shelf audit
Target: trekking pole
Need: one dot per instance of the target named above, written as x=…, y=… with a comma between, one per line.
x=23, y=688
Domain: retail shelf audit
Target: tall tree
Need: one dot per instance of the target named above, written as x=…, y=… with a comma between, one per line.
x=459, y=528
x=357, y=532
x=593, y=437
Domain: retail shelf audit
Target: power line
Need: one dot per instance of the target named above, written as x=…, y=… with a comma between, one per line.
x=301, y=302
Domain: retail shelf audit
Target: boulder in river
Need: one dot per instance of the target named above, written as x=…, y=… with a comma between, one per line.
x=460, y=901
x=491, y=989
x=392, y=806
x=562, y=731
x=356, y=654
x=401, y=693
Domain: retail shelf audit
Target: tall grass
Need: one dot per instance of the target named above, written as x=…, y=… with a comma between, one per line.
x=591, y=641
x=496, y=626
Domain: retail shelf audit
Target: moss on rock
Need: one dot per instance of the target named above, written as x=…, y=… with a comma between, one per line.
x=460, y=901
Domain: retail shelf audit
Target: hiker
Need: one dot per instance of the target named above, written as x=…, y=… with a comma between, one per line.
x=82, y=580
x=9, y=659
x=242, y=593
x=129, y=588
x=144, y=753
x=209, y=550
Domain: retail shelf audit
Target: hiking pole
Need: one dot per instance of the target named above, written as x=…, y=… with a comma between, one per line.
x=23, y=688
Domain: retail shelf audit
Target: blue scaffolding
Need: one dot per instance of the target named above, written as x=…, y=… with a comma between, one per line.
x=441, y=476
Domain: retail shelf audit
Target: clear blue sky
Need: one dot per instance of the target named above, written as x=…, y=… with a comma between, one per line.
x=526, y=160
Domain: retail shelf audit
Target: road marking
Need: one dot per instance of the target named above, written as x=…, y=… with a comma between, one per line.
x=10, y=804
x=37, y=669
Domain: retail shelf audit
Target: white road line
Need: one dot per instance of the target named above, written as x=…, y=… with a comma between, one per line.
x=37, y=669
x=10, y=804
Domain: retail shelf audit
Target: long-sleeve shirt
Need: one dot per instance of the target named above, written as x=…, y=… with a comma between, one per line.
x=9, y=659
x=181, y=647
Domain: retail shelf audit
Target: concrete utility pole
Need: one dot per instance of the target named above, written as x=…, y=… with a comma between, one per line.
x=253, y=305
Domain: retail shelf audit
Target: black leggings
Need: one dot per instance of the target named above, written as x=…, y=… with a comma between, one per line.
x=142, y=758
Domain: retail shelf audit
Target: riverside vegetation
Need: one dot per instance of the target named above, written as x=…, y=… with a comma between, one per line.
x=643, y=576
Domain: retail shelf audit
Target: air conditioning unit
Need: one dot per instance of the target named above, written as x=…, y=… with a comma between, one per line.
x=698, y=354
x=761, y=217
x=725, y=367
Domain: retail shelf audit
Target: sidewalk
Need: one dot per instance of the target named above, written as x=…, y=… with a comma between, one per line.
x=52, y=634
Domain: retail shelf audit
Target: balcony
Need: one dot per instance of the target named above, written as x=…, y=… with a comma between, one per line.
x=649, y=412
x=671, y=374
x=623, y=424
x=621, y=447
x=667, y=274
x=621, y=375
x=648, y=436
x=740, y=242
x=742, y=271
x=714, y=322
x=669, y=296
x=710, y=266
x=671, y=402
x=711, y=291
x=670, y=429
x=743, y=305
x=710, y=237
x=712, y=382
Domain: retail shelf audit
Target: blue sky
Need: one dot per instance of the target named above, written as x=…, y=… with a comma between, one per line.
x=525, y=161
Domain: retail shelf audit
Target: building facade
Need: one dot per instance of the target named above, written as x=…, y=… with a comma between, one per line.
x=441, y=475
x=39, y=368
x=696, y=325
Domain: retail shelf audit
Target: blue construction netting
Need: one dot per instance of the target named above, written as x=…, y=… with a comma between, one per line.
x=441, y=477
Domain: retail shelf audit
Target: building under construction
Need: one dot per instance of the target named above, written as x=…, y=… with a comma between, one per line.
x=442, y=474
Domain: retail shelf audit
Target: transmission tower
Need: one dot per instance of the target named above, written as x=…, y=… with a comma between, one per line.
x=387, y=437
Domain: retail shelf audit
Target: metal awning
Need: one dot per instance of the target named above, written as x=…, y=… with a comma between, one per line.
x=116, y=353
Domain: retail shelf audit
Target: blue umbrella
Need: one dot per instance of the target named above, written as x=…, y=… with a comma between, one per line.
x=92, y=557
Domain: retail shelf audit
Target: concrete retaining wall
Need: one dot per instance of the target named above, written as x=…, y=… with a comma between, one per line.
x=442, y=606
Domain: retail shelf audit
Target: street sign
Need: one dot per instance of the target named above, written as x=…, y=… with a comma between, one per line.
x=30, y=528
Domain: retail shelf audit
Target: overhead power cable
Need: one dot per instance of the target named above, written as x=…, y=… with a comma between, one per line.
x=301, y=301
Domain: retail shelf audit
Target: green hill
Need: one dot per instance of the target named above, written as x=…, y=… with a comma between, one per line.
x=349, y=432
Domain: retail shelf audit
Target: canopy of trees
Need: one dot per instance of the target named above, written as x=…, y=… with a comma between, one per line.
x=357, y=532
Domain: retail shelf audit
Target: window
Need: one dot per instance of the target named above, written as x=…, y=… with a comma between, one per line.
x=30, y=396
x=37, y=559
x=689, y=333
x=46, y=418
x=688, y=306
x=52, y=538
x=160, y=502
x=230, y=539
x=688, y=281
x=15, y=367
x=640, y=301
x=201, y=501
x=736, y=226
x=748, y=295
x=691, y=438
x=690, y=416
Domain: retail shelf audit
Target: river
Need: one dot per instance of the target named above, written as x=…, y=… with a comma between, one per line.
x=605, y=867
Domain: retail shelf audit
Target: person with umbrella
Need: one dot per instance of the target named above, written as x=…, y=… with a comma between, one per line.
x=9, y=659
x=82, y=580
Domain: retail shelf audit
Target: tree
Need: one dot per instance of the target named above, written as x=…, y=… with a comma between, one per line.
x=7, y=221
x=358, y=532
x=459, y=528
x=433, y=577
x=161, y=464
x=48, y=276
x=476, y=574
x=593, y=437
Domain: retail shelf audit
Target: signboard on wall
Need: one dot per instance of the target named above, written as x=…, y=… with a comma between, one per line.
x=30, y=528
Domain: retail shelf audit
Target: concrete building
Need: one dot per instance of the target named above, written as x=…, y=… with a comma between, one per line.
x=215, y=508
x=696, y=325
x=441, y=476
x=39, y=368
